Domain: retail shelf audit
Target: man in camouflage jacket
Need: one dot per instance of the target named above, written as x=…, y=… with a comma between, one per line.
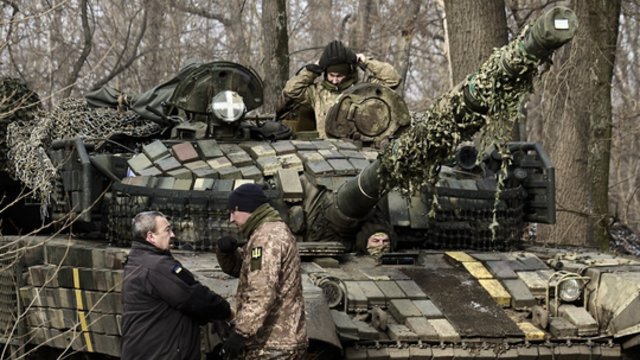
x=339, y=65
x=270, y=318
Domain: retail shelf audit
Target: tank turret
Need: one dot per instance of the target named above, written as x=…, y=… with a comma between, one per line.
x=182, y=146
x=412, y=162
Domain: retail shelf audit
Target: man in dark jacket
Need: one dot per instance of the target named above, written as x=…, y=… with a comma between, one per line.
x=164, y=305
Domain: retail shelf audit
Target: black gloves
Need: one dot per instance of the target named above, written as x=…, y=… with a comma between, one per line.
x=227, y=244
x=233, y=347
x=314, y=68
x=215, y=354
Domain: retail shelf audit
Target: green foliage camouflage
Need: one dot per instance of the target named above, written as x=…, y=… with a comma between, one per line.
x=413, y=161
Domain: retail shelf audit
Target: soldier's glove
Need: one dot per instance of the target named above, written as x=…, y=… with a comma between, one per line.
x=314, y=68
x=227, y=244
x=233, y=347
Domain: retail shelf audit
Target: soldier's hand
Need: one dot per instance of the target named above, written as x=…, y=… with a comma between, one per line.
x=227, y=244
x=233, y=347
x=361, y=58
x=314, y=68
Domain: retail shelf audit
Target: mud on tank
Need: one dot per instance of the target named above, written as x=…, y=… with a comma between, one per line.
x=189, y=142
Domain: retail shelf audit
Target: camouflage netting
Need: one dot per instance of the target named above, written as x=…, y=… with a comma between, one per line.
x=28, y=138
x=414, y=159
x=16, y=102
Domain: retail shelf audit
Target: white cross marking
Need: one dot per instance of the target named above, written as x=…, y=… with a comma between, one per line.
x=230, y=105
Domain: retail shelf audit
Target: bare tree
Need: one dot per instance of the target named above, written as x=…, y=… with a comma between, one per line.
x=154, y=70
x=577, y=125
x=321, y=20
x=362, y=28
x=275, y=44
x=624, y=189
x=129, y=30
x=6, y=44
x=407, y=34
x=87, y=34
x=473, y=30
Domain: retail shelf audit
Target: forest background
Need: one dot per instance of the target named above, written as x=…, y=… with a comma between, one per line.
x=584, y=110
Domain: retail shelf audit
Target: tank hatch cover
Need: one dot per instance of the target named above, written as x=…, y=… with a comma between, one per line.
x=367, y=112
x=200, y=84
x=464, y=302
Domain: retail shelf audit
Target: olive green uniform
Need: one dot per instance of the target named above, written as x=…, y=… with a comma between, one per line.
x=322, y=95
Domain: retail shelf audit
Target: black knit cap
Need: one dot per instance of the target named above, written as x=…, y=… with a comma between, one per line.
x=336, y=53
x=247, y=197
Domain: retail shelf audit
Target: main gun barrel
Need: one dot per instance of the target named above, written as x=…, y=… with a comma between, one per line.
x=413, y=160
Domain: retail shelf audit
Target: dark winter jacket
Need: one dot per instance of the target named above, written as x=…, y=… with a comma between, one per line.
x=164, y=307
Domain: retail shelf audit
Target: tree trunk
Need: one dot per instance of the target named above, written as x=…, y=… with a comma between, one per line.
x=577, y=126
x=87, y=44
x=473, y=29
x=408, y=31
x=236, y=29
x=624, y=188
x=362, y=26
x=275, y=45
x=54, y=28
x=320, y=21
x=154, y=70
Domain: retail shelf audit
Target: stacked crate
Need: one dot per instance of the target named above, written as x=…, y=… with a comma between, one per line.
x=11, y=265
x=72, y=300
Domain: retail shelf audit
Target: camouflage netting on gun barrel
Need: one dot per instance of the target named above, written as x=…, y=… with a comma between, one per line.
x=28, y=139
x=413, y=160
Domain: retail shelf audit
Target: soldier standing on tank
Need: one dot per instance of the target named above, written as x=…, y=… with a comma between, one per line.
x=270, y=319
x=339, y=64
x=164, y=305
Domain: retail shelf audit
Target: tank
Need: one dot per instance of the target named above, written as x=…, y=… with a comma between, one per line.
x=459, y=283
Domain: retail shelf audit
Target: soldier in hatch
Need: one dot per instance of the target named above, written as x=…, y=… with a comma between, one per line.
x=339, y=64
x=270, y=320
x=378, y=244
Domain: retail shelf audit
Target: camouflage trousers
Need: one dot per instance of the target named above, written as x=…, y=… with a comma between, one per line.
x=273, y=354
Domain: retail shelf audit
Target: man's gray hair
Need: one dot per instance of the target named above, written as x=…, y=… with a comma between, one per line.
x=143, y=223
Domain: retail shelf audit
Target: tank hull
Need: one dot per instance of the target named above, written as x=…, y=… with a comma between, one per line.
x=467, y=304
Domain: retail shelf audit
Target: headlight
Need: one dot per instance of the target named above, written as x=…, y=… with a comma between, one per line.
x=570, y=290
x=228, y=106
x=331, y=290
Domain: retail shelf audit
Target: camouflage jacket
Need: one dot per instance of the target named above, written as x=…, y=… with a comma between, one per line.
x=302, y=87
x=270, y=306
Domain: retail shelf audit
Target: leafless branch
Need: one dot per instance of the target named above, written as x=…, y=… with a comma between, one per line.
x=87, y=33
